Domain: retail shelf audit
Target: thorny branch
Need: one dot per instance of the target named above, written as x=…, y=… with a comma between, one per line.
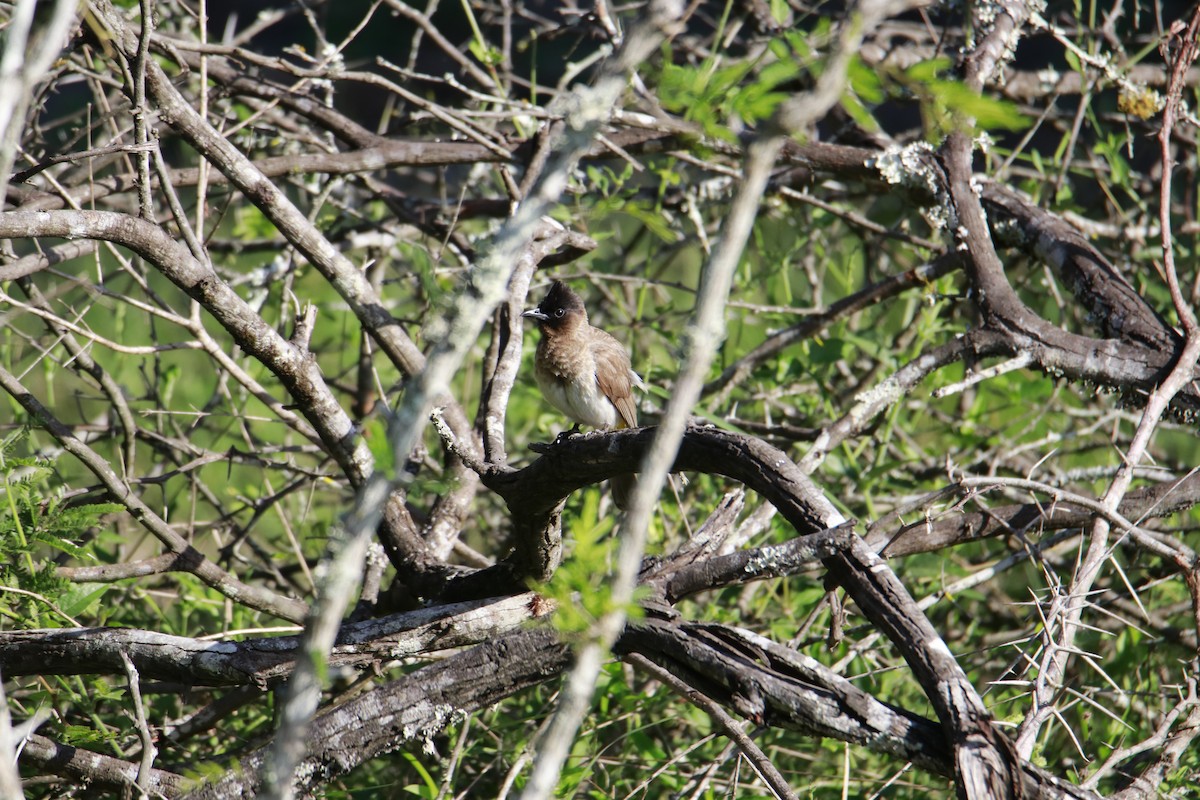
x=241, y=256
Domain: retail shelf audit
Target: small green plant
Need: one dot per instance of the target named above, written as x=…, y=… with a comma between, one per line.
x=34, y=524
x=581, y=587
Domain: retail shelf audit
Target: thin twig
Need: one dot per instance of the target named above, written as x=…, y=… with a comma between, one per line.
x=753, y=753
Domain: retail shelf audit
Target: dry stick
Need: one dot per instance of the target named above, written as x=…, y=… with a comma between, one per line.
x=196, y=563
x=703, y=337
x=1141, y=787
x=891, y=538
x=202, y=165
x=181, y=220
x=83, y=363
x=758, y=759
x=413, y=708
x=49, y=257
x=1070, y=607
x=63, y=325
x=106, y=573
x=585, y=110
x=507, y=336
x=1175, y=551
x=300, y=375
x=149, y=751
x=366, y=158
x=90, y=768
x=83, y=155
x=21, y=67
x=1173, y=744
x=141, y=112
x=263, y=662
x=429, y=29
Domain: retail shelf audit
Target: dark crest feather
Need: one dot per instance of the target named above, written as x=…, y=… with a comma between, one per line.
x=560, y=296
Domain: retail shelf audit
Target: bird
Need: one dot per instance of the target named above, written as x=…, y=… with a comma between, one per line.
x=584, y=372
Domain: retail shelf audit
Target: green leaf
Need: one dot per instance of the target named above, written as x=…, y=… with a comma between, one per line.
x=81, y=597
x=989, y=113
x=859, y=113
x=928, y=71
x=487, y=55
x=78, y=735
x=429, y=784
x=827, y=351
x=864, y=81
x=1112, y=150
x=375, y=435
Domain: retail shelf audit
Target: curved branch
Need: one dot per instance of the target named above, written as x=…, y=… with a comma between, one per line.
x=92, y=768
x=253, y=596
x=296, y=370
x=957, y=527
x=261, y=662
x=813, y=324
x=1143, y=347
x=535, y=493
x=1113, y=305
x=412, y=708
x=343, y=276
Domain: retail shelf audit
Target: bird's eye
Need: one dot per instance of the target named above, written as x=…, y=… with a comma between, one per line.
x=558, y=312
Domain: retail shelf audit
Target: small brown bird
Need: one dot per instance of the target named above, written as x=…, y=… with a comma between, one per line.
x=584, y=372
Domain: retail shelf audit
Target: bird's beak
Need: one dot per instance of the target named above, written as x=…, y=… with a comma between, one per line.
x=536, y=313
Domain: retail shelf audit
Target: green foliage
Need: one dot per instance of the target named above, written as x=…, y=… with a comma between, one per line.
x=489, y=55
x=214, y=452
x=744, y=92
x=945, y=103
x=428, y=788
x=250, y=224
x=35, y=524
x=375, y=434
x=82, y=735
x=580, y=587
x=1113, y=149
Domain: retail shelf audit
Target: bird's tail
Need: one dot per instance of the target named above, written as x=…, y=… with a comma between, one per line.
x=622, y=489
x=623, y=485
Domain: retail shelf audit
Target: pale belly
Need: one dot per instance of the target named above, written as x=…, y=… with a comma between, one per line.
x=581, y=401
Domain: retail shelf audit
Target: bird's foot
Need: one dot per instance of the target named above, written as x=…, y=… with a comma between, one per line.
x=564, y=435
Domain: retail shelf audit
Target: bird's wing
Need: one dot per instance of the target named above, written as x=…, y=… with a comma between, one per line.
x=615, y=376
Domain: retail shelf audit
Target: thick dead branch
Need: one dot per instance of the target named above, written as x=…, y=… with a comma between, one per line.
x=957, y=527
x=262, y=662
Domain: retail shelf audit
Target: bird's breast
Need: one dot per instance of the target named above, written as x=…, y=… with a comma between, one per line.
x=567, y=377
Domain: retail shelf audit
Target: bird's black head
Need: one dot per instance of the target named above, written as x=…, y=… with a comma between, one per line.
x=560, y=307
